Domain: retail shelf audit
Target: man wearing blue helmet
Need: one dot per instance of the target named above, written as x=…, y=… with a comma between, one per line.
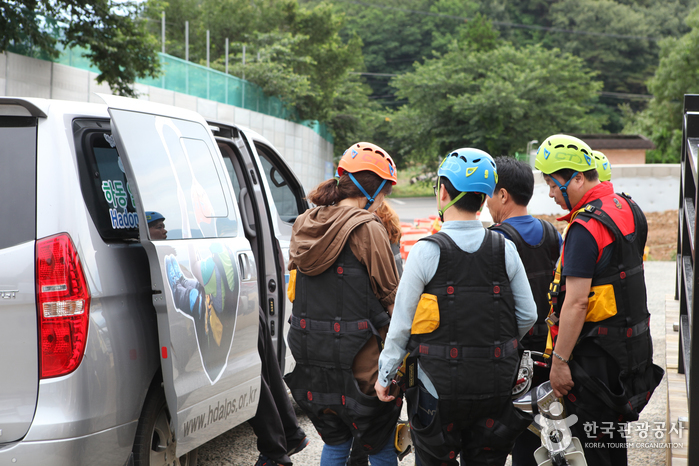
x=156, y=225
x=462, y=305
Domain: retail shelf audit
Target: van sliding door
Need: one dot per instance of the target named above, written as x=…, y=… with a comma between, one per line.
x=203, y=274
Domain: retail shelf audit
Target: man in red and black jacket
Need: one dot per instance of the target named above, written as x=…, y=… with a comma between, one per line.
x=599, y=338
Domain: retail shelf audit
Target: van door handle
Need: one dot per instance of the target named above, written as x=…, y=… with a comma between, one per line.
x=245, y=269
x=244, y=214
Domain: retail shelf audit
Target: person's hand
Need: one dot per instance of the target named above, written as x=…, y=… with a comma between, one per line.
x=561, y=380
x=382, y=392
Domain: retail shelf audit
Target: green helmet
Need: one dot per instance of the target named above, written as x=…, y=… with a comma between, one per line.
x=604, y=168
x=561, y=151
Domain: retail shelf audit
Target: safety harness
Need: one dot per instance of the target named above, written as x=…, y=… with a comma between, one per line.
x=617, y=320
x=539, y=262
x=472, y=356
x=334, y=315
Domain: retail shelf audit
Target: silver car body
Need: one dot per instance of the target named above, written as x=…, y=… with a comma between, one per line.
x=138, y=331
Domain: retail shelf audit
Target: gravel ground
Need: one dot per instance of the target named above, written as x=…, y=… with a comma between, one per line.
x=237, y=447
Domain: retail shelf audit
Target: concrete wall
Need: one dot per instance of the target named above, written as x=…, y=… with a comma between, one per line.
x=655, y=187
x=308, y=154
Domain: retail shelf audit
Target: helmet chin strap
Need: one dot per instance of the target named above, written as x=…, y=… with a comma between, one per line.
x=564, y=188
x=370, y=198
x=441, y=211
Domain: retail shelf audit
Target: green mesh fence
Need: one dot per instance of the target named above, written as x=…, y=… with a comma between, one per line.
x=189, y=78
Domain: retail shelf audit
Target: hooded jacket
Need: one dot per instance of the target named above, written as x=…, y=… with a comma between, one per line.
x=319, y=236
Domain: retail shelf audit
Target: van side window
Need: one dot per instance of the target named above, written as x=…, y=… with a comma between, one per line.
x=178, y=180
x=284, y=198
x=18, y=183
x=106, y=190
x=232, y=174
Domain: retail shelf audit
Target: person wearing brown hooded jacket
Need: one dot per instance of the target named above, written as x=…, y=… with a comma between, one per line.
x=343, y=284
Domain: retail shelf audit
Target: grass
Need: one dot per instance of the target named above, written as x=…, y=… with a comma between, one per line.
x=404, y=189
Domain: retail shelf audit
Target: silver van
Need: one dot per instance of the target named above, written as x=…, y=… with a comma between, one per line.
x=117, y=348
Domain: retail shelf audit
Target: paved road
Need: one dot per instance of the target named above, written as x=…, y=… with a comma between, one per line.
x=410, y=208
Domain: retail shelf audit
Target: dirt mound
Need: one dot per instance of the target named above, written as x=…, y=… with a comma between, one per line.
x=662, y=233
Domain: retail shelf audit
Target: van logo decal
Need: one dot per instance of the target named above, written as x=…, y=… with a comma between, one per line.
x=206, y=289
x=8, y=294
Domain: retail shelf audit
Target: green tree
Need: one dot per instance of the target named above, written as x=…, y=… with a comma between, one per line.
x=616, y=38
x=293, y=52
x=273, y=67
x=353, y=117
x=397, y=33
x=116, y=39
x=677, y=74
x=496, y=100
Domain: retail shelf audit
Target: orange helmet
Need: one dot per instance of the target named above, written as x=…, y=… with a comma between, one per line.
x=367, y=156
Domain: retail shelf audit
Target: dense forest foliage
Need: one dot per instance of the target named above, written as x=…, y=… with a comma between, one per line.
x=417, y=76
x=423, y=76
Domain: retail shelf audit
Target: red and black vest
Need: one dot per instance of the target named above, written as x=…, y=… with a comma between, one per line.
x=617, y=319
x=539, y=262
x=473, y=354
x=334, y=315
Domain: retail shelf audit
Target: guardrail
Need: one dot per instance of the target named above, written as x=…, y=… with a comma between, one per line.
x=687, y=273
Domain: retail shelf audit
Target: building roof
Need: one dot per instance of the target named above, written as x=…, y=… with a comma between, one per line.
x=616, y=141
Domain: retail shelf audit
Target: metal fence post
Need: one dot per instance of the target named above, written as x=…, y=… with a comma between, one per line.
x=227, y=79
x=162, y=44
x=208, y=75
x=687, y=271
x=186, y=56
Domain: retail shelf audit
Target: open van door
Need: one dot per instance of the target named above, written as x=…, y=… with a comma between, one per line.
x=287, y=199
x=203, y=273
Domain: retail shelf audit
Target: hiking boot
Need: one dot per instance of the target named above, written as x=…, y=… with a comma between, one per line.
x=262, y=460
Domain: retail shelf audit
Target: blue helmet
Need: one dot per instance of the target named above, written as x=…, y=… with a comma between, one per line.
x=153, y=216
x=470, y=170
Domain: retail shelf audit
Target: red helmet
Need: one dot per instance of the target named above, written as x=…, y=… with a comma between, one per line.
x=367, y=156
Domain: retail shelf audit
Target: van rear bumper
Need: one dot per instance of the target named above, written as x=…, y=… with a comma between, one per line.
x=110, y=447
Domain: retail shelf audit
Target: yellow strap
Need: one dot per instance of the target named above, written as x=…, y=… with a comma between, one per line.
x=291, y=288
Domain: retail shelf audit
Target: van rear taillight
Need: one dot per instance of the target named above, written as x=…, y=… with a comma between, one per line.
x=63, y=301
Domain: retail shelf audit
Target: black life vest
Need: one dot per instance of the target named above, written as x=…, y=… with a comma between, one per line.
x=539, y=262
x=473, y=354
x=334, y=315
x=625, y=336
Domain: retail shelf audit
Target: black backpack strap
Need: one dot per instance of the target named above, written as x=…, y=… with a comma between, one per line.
x=441, y=239
x=511, y=231
x=639, y=220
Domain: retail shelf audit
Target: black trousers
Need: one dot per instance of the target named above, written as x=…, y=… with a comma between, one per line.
x=482, y=432
x=607, y=446
x=275, y=423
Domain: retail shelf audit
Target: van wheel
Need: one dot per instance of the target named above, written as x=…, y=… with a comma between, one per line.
x=155, y=442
